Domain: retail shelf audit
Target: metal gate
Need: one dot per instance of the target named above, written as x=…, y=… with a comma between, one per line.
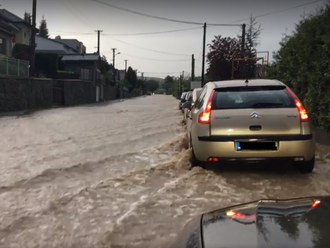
x=58, y=93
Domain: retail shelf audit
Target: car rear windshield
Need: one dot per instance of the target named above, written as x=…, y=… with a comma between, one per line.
x=188, y=95
x=252, y=97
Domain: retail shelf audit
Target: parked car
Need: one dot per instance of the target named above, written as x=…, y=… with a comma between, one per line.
x=192, y=99
x=263, y=223
x=182, y=99
x=187, y=98
x=149, y=93
x=252, y=121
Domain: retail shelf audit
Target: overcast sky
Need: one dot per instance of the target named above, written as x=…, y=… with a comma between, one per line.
x=80, y=18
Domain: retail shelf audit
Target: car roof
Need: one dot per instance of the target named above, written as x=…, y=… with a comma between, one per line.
x=252, y=82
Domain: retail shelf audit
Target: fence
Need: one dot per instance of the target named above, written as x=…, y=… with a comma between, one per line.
x=14, y=67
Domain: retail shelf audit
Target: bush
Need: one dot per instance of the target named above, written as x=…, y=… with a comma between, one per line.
x=302, y=63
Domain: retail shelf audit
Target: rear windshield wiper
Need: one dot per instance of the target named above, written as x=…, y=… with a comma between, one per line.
x=266, y=104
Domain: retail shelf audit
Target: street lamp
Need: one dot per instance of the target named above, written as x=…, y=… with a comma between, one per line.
x=114, y=54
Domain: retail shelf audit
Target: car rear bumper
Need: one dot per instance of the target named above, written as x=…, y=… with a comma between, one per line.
x=290, y=147
x=258, y=160
x=233, y=138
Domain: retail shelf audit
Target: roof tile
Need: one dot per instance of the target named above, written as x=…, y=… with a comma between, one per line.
x=81, y=57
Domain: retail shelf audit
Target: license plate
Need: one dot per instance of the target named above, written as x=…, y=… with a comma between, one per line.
x=256, y=146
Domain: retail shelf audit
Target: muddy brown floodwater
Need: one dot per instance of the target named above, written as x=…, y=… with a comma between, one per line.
x=117, y=175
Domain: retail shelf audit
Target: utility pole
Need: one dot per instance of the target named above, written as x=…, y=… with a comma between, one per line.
x=114, y=70
x=203, y=56
x=180, y=85
x=192, y=67
x=114, y=64
x=142, y=74
x=126, y=65
x=243, y=37
x=33, y=39
x=98, y=40
x=182, y=82
x=243, y=51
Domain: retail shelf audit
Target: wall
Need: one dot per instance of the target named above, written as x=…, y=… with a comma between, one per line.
x=79, y=92
x=23, y=36
x=109, y=93
x=125, y=94
x=6, y=38
x=18, y=94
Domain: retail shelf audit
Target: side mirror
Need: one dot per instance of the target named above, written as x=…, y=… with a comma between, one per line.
x=187, y=105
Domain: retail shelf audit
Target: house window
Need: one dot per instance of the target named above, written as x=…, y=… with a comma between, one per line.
x=2, y=46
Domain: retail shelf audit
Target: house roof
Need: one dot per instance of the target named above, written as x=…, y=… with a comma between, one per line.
x=81, y=57
x=73, y=43
x=7, y=28
x=42, y=48
x=12, y=18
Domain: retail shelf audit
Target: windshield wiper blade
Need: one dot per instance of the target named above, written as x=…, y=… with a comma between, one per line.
x=266, y=104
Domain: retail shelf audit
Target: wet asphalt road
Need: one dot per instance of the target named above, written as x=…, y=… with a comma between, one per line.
x=118, y=175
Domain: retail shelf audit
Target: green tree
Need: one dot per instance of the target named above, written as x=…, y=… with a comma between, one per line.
x=152, y=85
x=253, y=32
x=222, y=50
x=105, y=67
x=252, y=41
x=302, y=62
x=131, y=78
x=28, y=17
x=43, y=29
x=168, y=84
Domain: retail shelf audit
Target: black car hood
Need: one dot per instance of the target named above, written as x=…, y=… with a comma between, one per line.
x=303, y=222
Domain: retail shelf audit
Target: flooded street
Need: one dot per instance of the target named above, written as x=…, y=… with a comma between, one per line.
x=117, y=175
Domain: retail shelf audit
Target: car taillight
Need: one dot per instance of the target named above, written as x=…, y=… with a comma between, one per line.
x=205, y=117
x=302, y=111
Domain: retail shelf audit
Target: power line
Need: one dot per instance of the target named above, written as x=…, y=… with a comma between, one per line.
x=133, y=34
x=157, y=32
x=279, y=11
x=148, y=49
x=160, y=60
x=75, y=7
x=156, y=17
x=75, y=33
x=68, y=8
x=143, y=14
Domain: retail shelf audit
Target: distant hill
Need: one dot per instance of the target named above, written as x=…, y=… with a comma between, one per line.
x=155, y=78
x=160, y=80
